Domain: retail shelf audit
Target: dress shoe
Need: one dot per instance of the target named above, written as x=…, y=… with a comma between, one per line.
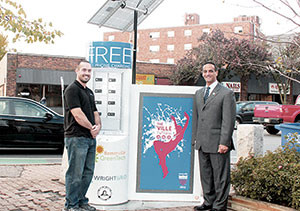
x=214, y=209
x=203, y=207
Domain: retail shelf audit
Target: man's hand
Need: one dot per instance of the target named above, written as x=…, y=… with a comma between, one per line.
x=222, y=149
x=95, y=130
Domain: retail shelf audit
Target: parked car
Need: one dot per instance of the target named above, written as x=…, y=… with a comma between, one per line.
x=27, y=124
x=269, y=116
x=245, y=111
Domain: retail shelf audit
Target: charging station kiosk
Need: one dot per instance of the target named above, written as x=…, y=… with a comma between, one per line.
x=110, y=82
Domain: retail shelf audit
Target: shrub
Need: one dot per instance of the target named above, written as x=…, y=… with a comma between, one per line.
x=273, y=178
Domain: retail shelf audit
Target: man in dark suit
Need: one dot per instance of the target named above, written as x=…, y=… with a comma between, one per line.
x=216, y=108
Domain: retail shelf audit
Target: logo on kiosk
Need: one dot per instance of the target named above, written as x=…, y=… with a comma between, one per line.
x=104, y=193
x=183, y=177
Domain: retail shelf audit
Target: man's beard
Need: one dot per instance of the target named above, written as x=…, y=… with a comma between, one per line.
x=84, y=81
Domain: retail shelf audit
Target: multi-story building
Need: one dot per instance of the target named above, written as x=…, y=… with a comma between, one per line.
x=167, y=45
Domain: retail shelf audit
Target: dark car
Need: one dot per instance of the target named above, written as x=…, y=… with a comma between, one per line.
x=27, y=124
x=245, y=111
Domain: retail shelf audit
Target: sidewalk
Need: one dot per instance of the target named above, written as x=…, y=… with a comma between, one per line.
x=37, y=187
x=29, y=187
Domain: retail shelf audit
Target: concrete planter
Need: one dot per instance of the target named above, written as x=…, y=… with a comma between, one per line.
x=245, y=204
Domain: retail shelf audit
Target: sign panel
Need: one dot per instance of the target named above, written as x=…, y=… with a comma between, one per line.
x=165, y=154
x=145, y=79
x=273, y=89
x=234, y=86
x=110, y=54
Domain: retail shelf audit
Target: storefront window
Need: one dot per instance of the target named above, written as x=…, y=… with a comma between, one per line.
x=52, y=93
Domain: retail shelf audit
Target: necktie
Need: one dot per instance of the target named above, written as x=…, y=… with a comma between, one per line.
x=206, y=94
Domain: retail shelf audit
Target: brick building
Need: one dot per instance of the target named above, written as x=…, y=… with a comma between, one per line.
x=35, y=76
x=167, y=45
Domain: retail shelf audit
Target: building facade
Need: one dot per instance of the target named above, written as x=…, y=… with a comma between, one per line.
x=168, y=45
x=36, y=76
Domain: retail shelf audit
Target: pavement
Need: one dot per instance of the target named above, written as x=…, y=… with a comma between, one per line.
x=37, y=187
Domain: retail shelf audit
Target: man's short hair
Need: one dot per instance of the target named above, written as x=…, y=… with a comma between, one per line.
x=83, y=60
x=210, y=62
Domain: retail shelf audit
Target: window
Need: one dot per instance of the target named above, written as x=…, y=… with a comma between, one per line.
x=154, y=35
x=4, y=107
x=249, y=107
x=188, y=46
x=188, y=32
x=170, y=47
x=154, y=60
x=238, y=29
x=206, y=30
x=154, y=48
x=28, y=109
x=111, y=37
x=170, y=61
x=171, y=33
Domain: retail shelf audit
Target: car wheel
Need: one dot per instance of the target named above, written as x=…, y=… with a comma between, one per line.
x=272, y=130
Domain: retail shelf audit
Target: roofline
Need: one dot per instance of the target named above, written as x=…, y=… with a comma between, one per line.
x=185, y=26
x=44, y=55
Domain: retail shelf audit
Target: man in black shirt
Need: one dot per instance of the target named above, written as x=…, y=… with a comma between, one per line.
x=82, y=124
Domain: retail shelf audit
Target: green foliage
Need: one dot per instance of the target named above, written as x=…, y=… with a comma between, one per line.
x=274, y=178
x=3, y=45
x=13, y=18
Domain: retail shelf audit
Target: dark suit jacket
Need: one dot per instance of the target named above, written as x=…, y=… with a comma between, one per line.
x=215, y=119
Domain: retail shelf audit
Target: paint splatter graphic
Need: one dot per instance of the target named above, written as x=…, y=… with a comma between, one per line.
x=164, y=132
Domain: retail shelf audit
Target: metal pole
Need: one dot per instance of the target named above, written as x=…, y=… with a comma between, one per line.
x=134, y=47
x=62, y=94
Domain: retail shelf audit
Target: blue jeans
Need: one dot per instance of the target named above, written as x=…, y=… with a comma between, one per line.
x=81, y=158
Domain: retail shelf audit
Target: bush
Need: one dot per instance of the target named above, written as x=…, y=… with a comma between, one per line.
x=273, y=178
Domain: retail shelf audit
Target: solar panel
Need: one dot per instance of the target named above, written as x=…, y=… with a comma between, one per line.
x=117, y=14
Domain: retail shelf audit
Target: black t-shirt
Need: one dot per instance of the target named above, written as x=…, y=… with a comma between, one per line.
x=76, y=96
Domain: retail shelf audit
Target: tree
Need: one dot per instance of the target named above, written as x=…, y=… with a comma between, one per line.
x=286, y=67
x=211, y=48
x=13, y=19
x=281, y=69
x=186, y=71
x=245, y=58
x=3, y=45
x=240, y=57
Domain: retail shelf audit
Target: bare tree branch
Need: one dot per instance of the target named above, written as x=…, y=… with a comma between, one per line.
x=280, y=73
x=286, y=3
x=278, y=13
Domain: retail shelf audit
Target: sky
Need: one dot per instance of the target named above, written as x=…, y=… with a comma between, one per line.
x=72, y=16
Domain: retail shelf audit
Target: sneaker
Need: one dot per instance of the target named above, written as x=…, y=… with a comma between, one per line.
x=87, y=207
